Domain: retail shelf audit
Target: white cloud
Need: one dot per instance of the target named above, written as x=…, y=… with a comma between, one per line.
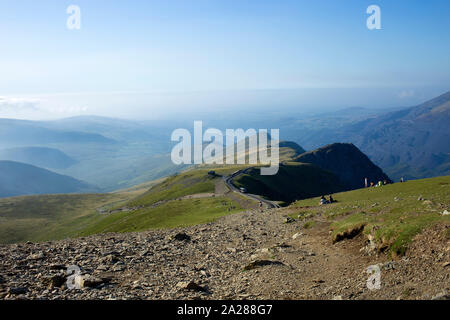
x=18, y=104
x=67, y=109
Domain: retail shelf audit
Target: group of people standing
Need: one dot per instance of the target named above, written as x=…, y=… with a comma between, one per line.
x=378, y=184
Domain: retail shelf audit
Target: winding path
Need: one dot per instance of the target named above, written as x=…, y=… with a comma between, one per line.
x=229, y=183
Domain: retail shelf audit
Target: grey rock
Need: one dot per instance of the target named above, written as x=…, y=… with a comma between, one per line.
x=189, y=285
x=88, y=281
x=182, y=237
x=36, y=256
x=444, y=295
x=288, y=220
x=54, y=281
x=390, y=265
x=261, y=263
x=17, y=290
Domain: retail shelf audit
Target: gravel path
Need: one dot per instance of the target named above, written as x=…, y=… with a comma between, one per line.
x=250, y=255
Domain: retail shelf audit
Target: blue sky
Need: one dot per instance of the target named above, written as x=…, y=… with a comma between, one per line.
x=152, y=58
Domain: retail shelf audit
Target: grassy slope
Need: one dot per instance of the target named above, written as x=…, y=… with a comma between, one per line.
x=161, y=206
x=293, y=181
x=171, y=214
x=45, y=217
x=190, y=182
x=392, y=214
x=52, y=217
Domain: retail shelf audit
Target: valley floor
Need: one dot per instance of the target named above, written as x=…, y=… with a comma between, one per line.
x=214, y=261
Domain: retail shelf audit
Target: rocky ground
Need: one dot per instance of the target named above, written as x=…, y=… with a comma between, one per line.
x=250, y=255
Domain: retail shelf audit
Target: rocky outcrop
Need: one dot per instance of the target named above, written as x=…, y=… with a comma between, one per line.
x=347, y=162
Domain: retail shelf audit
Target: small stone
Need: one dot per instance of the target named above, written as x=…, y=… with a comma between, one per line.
x=17, y=290
x=189, y=285
x=445, y=213
x=261, y=263
x=444, y=295
x=55, y=281
x=110, y=259
x=37, y=256
x=389, y=265
x=182, y=237
x=89, y=281
x=319, y=281
x=337, y=298
x=288, y=220
x=204, y=273
x=118, y=268
x=102, y=267
x=298, y=234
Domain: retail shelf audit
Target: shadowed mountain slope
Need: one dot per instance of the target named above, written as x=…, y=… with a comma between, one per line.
x=22, y=179
x=347, y=162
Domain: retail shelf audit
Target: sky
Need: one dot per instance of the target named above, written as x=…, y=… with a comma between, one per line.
x=156, y=59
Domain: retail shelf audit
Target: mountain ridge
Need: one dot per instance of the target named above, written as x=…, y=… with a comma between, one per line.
x=347, y=162
x=18, y=179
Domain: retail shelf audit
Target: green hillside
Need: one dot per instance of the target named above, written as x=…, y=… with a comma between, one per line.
x=391, y=214
x=49, y=217
x=172, y=214
x=189, y=182
x=165, y=205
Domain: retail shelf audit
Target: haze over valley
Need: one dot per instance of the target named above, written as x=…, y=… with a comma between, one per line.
x=224, y=150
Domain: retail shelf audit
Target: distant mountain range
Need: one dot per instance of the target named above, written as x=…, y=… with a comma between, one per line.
x=109, y=153
x=25, y=133
x=38, y=156
x=114, y=154
x=23, y=179
x=411, y=142
x=414, y=142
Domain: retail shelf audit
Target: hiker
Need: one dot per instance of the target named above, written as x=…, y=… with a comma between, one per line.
x=260, y=206
x=331, y=199
x=371, y=184
x=366, y=183
x=380, y=183
x=323, y=200
x=401, y=179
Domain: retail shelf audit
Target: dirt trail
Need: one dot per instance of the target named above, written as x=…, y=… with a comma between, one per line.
x=211, y=260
